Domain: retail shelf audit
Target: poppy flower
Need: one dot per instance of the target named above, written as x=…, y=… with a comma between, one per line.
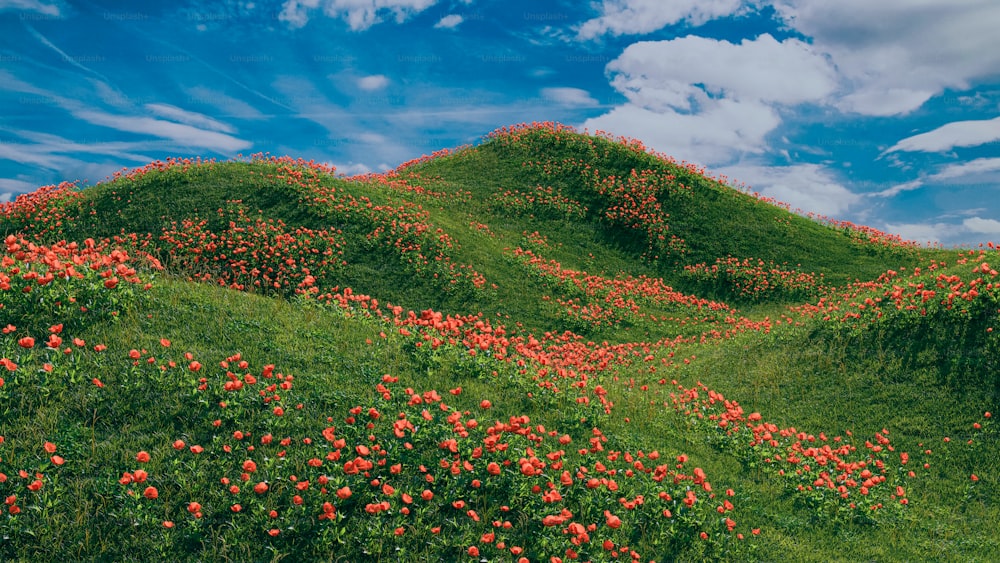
x=142, y=457
x=151, y=493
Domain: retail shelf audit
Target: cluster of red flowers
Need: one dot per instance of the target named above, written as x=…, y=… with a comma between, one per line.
x=543, y=203
x=755, y=280
x=252, y=253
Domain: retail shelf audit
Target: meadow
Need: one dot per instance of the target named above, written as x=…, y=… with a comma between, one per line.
x=548, y=346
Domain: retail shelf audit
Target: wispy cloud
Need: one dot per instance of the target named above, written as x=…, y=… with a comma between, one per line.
x=52, y=9
x=184, y=135
x=224, y=104
x=955, y=134
x=191, y=118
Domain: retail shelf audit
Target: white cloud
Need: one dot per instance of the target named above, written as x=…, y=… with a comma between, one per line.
x=359, y=14
x=893, y=55
x=710, y=101
x=934, y=233
x=982, y=226
x=692, y=69
x=353, y=169
x=12, y=186
x=182, y=134
x=373, y=82
x=569, y=96
x=45, y=8
x=191, y=118
x=955, y=134
x=623, y=17
x=449, y=22
x=726, y=130
x=974, y=170
x=898, y=189
x=807, y=187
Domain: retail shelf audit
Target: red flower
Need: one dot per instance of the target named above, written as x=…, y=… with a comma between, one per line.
x=26, y=342
x=151, y=493
x=142, y=457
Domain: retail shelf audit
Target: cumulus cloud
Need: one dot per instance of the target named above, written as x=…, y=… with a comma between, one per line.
x=373, y=82
x=625, y=17
x=955, y=134
x=715, y=136
x=808, y=187
x=982, y=226
x=893, y=55
x=693, y=69
x=569, y=96
x=358, y=14
x=449, y=22
x=709, y=101
x=934, y=233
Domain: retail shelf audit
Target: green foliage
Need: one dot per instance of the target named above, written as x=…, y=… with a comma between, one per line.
x=528, y=348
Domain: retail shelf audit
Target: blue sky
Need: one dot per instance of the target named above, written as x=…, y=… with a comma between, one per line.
x=883, y=113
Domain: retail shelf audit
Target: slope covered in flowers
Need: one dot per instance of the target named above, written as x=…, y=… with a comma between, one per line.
x=547, y=347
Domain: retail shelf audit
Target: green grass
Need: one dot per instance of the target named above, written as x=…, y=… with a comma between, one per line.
x=848, y=369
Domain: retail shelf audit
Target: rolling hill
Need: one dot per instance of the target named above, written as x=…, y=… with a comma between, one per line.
x=549, y=345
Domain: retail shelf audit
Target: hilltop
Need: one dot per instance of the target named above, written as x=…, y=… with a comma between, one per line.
x=643, y=362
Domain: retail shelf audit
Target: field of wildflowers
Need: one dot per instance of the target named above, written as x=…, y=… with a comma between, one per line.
x=547, y=347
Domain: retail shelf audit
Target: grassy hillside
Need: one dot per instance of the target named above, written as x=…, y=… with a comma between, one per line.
x=546, y=346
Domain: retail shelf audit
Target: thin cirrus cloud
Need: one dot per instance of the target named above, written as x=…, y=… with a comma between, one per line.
x=182, y=134
x=45, y=8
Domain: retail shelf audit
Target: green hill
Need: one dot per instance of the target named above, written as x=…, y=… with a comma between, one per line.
x=643, y=363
